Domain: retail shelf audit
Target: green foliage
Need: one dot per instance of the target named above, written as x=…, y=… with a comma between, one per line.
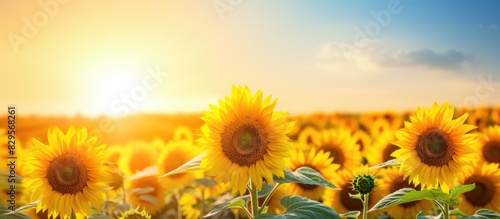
x=238, y=202
x=408, y=195
x=299, y=207
x=304, y=175
x=483, y=214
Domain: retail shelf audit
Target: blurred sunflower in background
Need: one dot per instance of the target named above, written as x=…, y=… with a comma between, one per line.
x=320, y=161
x=382, y=149
x=146, y=193
x=486, y=194
x=380, y=127
x=392, y=180
x=495, y=115
x=173, y=155
x=489, y=144
x=244, y=139
x=363, y=140
x=195, y=203
x=479, y=117
x=68, y=174
x=305, y=139
x=137, y=156
x=341, y=146
x=435, y=149
x=183, y=133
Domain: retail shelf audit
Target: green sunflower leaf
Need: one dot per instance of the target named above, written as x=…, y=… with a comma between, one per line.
x=149, y=198
x=350, y=214
x=6, y=213
x=304, y=175
x=483, y=214
x=456, y=211
x=25, y=207
x=190, y=166
x=300, y=207
x=389, y=163
x=458, y=190
x=421, y=215
x=238, y=202
x=148, y=171
x=408, y=195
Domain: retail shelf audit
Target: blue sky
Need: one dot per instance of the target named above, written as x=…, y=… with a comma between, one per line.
x=91, y=54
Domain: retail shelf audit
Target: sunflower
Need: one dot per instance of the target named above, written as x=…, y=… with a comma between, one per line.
x=135, y=214
x=245, y=139
x=274, y=205
x=146, y=193
x=306, y=137
x=382, y=149
x=173, y=155
x=479, y=117
x=363, y=140
x=115, y=152
x=191, y=202
x=436, y=149
x=341, y=146
x=340, y=200
x=188, y=202
x=316, y=160
x=137, y=156
x=489, y=141
x=68, y=174
x=380, y=127
x=495, y=115
x=183, y=133
x=486, y=194
x=392, y=180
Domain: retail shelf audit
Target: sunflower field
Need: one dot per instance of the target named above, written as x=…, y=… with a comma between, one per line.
x=245, y=159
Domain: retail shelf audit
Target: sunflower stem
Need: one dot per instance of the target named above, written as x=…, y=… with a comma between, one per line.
x=446, y=209
x=255, y=200
x=202, y=203
x=365, y=205
x=236, y=215
x=268, y=198
x=124, y=195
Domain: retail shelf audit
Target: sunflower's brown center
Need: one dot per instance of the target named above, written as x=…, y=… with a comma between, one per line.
x=348, y=202
x=67, y=174
x=388, y=151
x=483, y=193
x=335, y=153
x=491, y=151
x=399, y=183
x=244, y=142
x=434, y=147
x=361, y=143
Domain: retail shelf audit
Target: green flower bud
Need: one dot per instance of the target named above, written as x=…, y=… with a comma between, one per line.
x=363, y=183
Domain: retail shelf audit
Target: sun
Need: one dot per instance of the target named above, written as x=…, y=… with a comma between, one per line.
x=112, y=80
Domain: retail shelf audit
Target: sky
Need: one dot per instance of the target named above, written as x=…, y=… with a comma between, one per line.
x=120, y=57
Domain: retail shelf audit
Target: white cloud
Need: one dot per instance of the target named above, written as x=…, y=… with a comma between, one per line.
x=372, y=55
